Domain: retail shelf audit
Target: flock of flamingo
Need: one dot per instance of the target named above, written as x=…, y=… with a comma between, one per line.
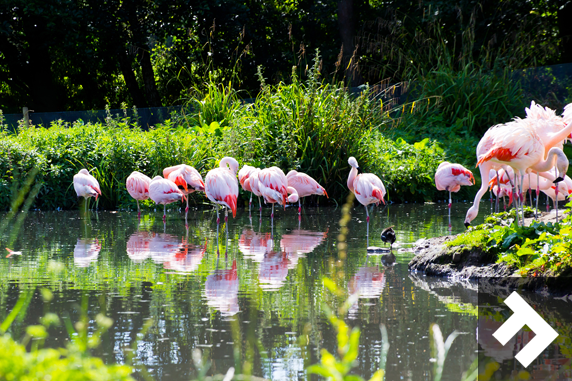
x=512, y=156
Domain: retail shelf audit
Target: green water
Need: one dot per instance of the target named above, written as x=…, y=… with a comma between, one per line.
x=253, y=293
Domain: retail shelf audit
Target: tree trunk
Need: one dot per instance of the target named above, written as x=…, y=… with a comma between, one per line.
x=151, y=92
x=348, y=15
x=565, y=30
x=129, y=77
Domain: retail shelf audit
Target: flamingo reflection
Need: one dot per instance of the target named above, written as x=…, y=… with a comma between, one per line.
x=221, y=290
x=491, y=346
x=367, y=283
x=254, y=245
x=301, y=242
x=85, y=252
x=273, y=270
x=138, y=246
x=187, y=259
x=163, y=246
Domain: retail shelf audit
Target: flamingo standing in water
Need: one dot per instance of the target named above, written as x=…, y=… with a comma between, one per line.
x=251, y=184
x=450, y=177
x=164, y=191
x=367, y=187
x=274, y=187
x=243, y=175
x=221, y=186
x=86, y=186
x=137, y=185
x=517, y=145
x=187, y=178
x=304, y=185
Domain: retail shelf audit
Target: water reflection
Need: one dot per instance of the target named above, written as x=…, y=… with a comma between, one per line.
x=367, y=283
x=221, y=290
x=163, y=246
x=273, y=270
x=254, y=245
x=138, y=246
x=301, y=242
x=85, y=252
x=187, y=259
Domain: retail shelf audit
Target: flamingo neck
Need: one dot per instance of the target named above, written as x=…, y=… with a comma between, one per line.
x=555, y=154
x=226, y=163
x=352, y=177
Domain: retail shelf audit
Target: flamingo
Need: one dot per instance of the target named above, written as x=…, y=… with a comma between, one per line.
x=221, y=186
x=187, y=178
x=304, y=185
x=86, y=185
x=164, y=191
x=516, y=144
x=243, y=175
x=367, y=187
x=251, y=184
x=273, y=185
x=137, y=185
x=450, y=177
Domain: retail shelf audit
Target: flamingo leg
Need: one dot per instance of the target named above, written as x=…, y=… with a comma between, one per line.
x=367, y=213
x=530, y=191
x=272, y=215
x=299, y=207
x=450, y=203
x=187, y=208
x=367, y=233
x=86, y=200
x=523, y=200
x=225, y=214
x=250, y=201
x=164, y=212
x=217, y=218
x=498, y=192
x=259, y=205
x=537, y=194
x=556, y=192
x=138, y=210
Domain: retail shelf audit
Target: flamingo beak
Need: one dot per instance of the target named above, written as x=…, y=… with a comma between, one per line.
x=467, y=224
x=559, y=179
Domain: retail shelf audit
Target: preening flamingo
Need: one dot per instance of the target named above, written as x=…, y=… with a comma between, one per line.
x=367, y=187
x=164, y=191
x=243, y=175
x=137, y=185
x=251, y=184
x=450, y=177
x=273, y=185
x=304, y=185
x=187, y=178
x=86, y=185
x=221, y=186
x=517, y=145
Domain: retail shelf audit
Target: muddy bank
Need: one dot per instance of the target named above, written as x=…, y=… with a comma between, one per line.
x=433, y=257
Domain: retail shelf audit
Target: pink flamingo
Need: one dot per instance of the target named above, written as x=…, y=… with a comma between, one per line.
x=164, y=191
x=251, y=184
x=243, y=175
x=367, y=187
x=221, y=186
x=450, y=177
x=187, y=178
x=517, y=145
x=137, y=185
x=86, y=186
x=274, y=187
x=304, y=185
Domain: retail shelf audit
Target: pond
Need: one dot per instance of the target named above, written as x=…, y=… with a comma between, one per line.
x=252, y=294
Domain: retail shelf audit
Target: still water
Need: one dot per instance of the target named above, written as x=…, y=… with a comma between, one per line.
x=252, y=294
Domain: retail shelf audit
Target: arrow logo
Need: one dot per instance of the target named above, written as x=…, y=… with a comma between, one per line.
x=523, y=315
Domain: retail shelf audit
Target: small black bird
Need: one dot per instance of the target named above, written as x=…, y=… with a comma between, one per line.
x=388, y=236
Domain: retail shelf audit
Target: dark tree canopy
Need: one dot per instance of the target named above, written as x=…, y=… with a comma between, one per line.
x=73, y=55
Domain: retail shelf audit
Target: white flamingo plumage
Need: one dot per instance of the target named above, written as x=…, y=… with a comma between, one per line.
x=187, y=178
x=517, y=145
x=273, y=185
x=251, y=184
x=221, y=186
x=164, y=191
x=243, y=176
x=86, y=185
x=449, y=177
x=367, y=187
x=137, y=185
x=304, y=185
